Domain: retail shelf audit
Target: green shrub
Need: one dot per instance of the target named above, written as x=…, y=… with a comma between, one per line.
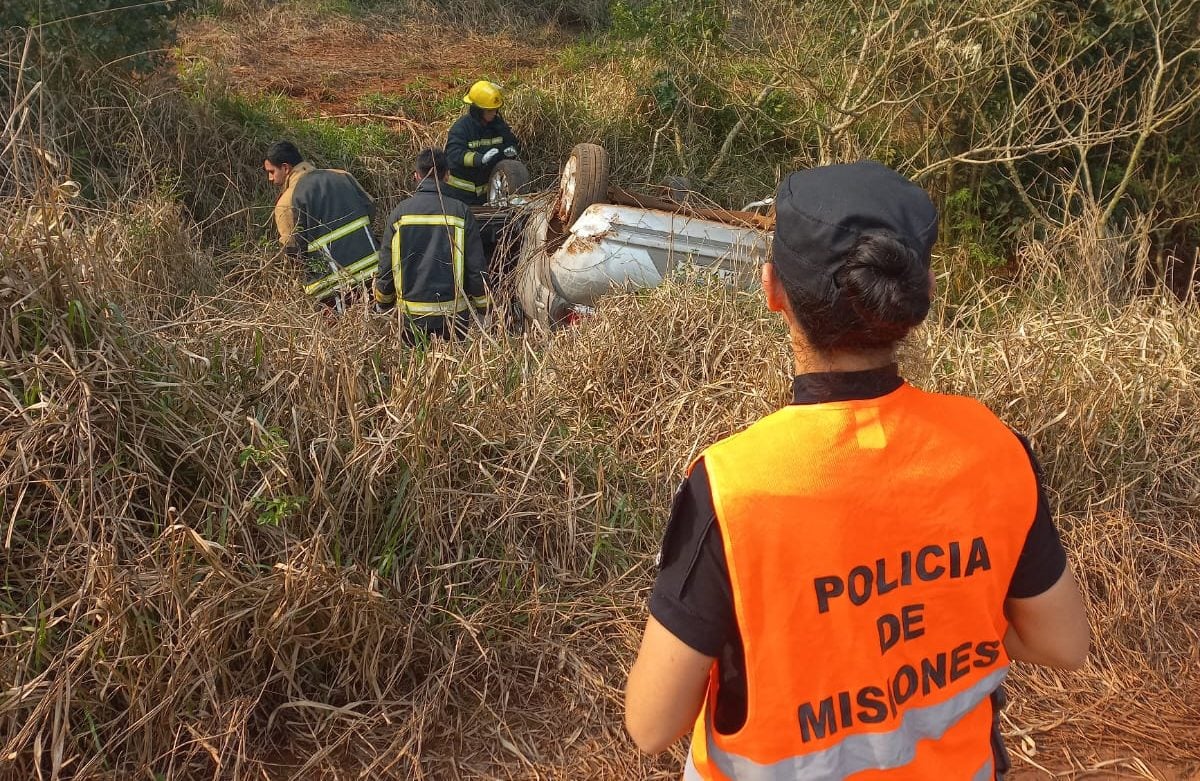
x=666, y=25
x=110, y=31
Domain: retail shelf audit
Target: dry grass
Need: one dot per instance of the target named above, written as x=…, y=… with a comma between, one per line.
x=455, y=582
x=1106, y=385
x=238, y=541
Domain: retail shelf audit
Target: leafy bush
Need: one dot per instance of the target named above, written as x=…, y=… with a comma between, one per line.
x=110, y=31
x=668, y=26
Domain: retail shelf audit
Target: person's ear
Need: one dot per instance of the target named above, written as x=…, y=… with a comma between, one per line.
x=773, y=289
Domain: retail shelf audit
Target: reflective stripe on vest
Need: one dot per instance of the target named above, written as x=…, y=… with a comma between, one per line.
x=986, y=772
x=485, y=142
x=358, y=271
x=466, y=185
x=867, y=750
x=334, y=235
x=457, y=229
x=869, y=544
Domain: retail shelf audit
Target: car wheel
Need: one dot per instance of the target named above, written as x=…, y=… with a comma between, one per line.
x=584, y=181
x=509, y=178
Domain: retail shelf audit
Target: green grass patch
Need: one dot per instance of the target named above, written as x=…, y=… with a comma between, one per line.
x=273, y=116
x=419, y=101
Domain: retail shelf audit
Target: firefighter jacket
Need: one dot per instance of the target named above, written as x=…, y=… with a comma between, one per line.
x=324, y=219
x=468, y=142
x=870, y=545
x=431, y=261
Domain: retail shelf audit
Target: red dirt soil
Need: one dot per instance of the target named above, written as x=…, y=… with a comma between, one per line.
x=330, y=66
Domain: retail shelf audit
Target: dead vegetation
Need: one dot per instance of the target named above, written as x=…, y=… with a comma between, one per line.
x=238, y=541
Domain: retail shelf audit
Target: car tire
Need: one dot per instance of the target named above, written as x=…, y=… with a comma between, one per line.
x=509, y=178
x=584, y=181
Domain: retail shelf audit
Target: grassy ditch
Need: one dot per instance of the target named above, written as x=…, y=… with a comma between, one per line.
x=238, y=538
x=239, y=541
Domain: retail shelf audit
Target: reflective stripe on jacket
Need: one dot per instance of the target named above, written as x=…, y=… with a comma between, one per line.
x=870, y=545
x=324, y=216
x=431, y=261
x=469, y=139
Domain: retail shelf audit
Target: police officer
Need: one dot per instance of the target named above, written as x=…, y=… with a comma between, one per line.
x=477, y=141
x=431, y=262
x=323, y=217
x=843, y=584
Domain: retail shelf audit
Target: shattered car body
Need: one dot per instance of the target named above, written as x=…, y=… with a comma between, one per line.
x=616, y=247
x=620, y=241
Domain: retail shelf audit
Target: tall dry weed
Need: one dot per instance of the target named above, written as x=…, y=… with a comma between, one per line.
x=238, y=537
x=240, y=541
x=1103, y=377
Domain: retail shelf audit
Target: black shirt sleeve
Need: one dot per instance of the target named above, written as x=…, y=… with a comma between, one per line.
x=1043, y=559
x=692, y=597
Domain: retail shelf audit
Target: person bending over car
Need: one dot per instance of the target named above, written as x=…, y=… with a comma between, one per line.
x=476, y=142
x=323, y=217
x=431, y=262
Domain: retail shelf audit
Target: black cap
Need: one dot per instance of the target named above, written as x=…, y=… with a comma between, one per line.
x=820, y=214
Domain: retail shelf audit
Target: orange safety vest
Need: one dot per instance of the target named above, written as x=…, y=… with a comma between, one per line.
x=870, y=545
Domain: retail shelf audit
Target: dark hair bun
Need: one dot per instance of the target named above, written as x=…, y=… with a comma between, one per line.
x=887, y=286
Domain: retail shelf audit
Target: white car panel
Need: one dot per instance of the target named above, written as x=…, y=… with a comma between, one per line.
x=626, y=248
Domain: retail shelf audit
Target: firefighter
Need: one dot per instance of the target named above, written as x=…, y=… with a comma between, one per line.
x=843, y=584
x=431, y=262
x=324, y=221
x=477, y=141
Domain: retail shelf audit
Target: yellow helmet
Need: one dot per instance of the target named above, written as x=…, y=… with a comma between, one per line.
x=484, y=94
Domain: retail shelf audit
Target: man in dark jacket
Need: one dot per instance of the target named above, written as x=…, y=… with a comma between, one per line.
x=431, y=262
x=324, y=221
x=477, y=141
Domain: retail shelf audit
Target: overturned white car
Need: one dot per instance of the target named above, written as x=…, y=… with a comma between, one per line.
x=589, y=239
